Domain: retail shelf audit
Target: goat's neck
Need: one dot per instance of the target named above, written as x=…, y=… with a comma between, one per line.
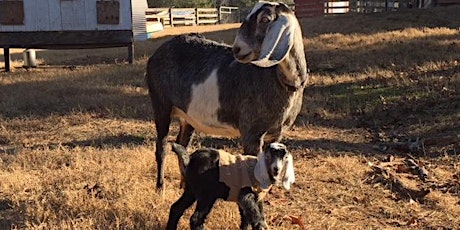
x=292, y=71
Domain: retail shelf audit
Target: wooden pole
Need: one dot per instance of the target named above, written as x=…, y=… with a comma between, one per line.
x=6, y=56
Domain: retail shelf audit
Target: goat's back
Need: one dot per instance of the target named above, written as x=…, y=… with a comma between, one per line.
x=202, y=174
x=182, y=59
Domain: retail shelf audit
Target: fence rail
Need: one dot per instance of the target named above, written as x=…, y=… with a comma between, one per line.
x=312, y=8
x=207, y=16
x=171, y=17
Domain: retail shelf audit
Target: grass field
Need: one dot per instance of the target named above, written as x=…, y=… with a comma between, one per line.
x=77, y=137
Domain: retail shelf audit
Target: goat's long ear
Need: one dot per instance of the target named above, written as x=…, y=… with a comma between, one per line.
x=277, y=42
x=289, y=176
x=261, y=172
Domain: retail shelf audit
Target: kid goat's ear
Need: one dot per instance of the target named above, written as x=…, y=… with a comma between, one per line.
x=261, y=173
x=289, y=176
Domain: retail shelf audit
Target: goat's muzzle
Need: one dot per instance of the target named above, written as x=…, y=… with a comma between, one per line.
x=242, y=52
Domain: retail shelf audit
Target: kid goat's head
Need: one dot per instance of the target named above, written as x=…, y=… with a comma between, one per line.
x=275, y=166
x=266, y=35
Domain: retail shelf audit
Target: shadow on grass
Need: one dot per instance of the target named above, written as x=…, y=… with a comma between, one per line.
x=333, y=146
x=108, y=90
x=98, y=143
x=370, y=23
x=391, y=54
x=108, y=141
x=10, y=215
x=382, y=101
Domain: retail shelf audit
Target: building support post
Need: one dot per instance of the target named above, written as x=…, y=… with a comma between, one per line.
x=7, y=57
x=131, y=53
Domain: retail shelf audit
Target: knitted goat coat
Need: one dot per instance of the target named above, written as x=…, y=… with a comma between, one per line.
x=237, y=171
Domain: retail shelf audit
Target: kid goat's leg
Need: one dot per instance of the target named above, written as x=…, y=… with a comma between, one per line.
x=178, y=208
x=262, y=224
x=251, y=210
x=244, y=222
x=203, y=207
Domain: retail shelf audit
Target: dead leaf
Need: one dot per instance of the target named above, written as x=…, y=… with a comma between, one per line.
x=275, y=219
x=297, y=221
x=402, y=169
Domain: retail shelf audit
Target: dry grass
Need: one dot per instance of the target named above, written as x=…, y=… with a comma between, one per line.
x=76, y=144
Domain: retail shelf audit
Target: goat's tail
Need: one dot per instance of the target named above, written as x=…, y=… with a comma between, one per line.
x=183, y=158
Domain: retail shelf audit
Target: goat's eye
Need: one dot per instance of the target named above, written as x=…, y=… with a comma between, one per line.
x=265, y=20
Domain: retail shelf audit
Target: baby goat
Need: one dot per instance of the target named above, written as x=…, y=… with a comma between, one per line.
x=211, y=174
x=252, y=90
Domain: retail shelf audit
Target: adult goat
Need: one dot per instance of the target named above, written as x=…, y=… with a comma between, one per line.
x=257, y=96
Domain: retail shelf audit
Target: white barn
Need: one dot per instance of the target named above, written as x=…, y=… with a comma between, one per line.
x=66, y=24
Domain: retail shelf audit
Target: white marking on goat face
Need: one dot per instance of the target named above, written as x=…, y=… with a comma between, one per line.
x=248, y=41
x=203, y=108
x=259, y=5
x=277, y=145
x=276, y=168
x=242, y=52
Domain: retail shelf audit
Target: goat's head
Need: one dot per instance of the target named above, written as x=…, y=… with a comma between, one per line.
x=275, y=166
x=266, y=35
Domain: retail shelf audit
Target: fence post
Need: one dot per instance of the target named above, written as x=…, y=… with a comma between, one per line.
x=171, y=17
x=219, y=15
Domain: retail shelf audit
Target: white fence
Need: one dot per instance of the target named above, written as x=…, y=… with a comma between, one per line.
x=170, y=17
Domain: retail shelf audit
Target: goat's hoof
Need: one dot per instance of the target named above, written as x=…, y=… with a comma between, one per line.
x=263, y=225
x=161, y=190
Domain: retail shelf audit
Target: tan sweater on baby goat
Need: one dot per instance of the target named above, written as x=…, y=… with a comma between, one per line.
x=237, y=171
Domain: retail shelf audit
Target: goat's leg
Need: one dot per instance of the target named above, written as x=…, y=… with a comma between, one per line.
x=162, y=122
x=178, y=208
x=262, y=224
x=244, y=222
x=252, y=142
x=203, y=207
x=185, y=133
x=273, y=135
x=251, y=209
